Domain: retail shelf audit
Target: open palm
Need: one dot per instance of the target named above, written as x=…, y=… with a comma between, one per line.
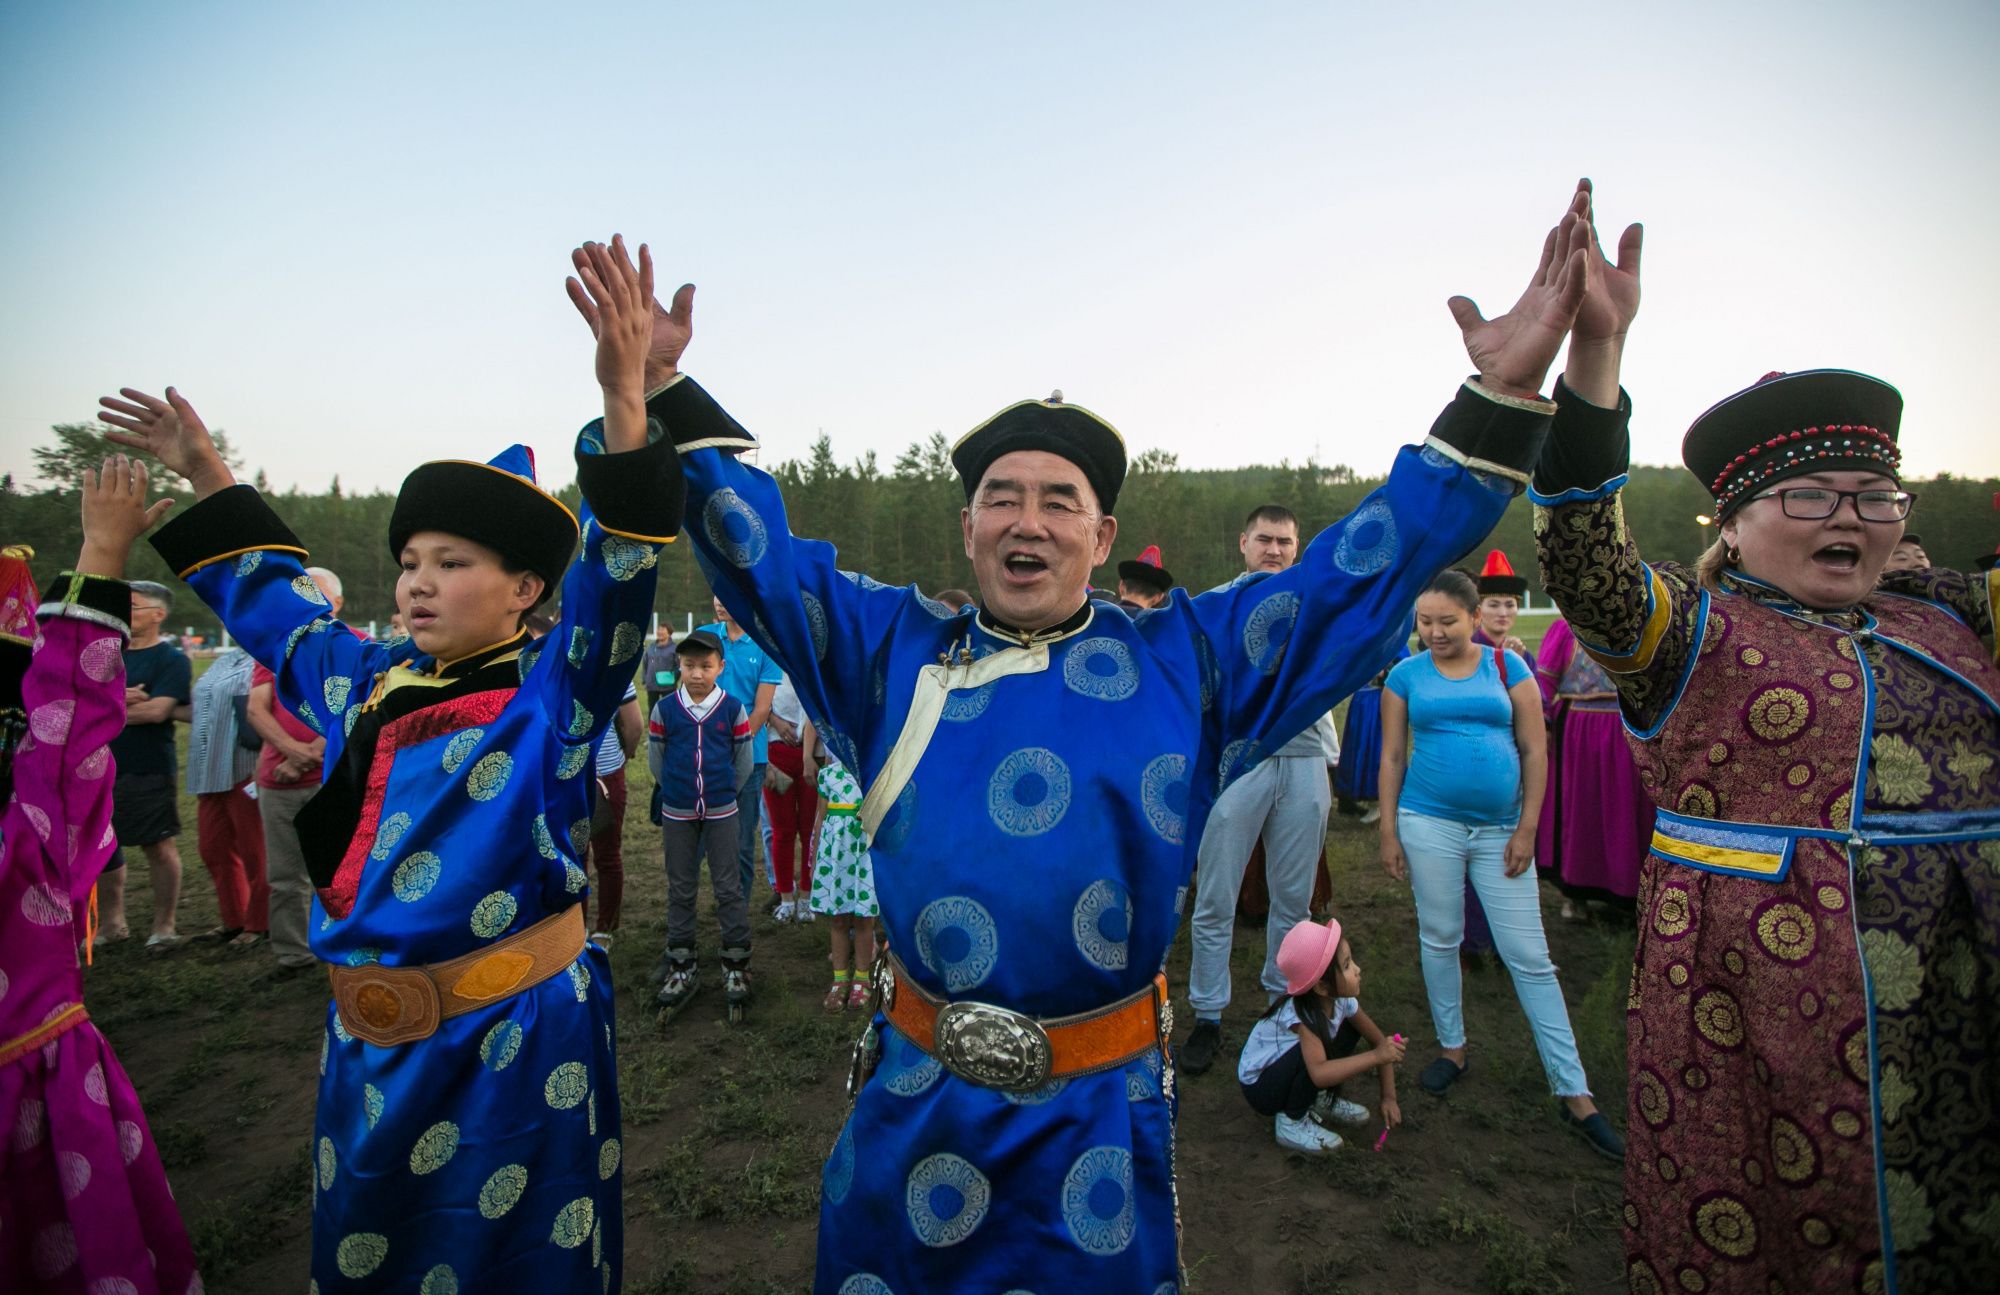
x=1610, y=292
x=1513, y=351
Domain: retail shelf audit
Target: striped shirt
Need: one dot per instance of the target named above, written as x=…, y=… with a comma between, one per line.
x=216, y=760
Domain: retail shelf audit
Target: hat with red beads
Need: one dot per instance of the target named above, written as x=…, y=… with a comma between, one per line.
x=1788, y=424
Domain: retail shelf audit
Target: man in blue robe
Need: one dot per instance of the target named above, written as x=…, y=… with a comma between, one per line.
x=1039, y=769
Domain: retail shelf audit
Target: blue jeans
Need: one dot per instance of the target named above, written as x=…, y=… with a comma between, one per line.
x=749, y=813
x=1442, y=855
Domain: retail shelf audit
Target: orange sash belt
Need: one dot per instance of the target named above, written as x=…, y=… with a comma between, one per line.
x=55, y=1027
x=390, y=1005
x=997, y=1048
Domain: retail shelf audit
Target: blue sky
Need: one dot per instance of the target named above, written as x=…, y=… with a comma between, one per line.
x=342, y=229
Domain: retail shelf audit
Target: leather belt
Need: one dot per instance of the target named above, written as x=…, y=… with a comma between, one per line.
x=390, y=1005
x=995, y=1047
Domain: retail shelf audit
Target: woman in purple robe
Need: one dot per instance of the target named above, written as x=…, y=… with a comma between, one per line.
x=1596, y=818
x=84, y=1204
x=1814, y=1079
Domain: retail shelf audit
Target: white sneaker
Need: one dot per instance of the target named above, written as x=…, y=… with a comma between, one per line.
x=803, y=912
x=1374, y=814
x=1330, y=1110
x=1303, y=1137
x=785, y=911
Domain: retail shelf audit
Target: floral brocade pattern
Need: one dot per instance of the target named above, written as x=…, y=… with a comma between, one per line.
x=1752, y=1125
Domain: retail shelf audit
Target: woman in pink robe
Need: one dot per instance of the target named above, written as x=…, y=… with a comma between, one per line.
x=1597, y=819
x=84, y=1204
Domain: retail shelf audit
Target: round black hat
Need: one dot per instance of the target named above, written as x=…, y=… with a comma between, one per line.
x=496, y=504
x=1788, y=424
x=1070, y=431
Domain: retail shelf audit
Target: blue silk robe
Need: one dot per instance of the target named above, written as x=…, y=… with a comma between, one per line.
x=1038, y=856
x=485, y=1157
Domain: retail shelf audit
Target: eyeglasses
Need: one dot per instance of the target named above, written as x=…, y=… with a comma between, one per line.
x=1816, y=503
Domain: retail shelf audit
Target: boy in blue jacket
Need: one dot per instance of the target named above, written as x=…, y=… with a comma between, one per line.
x=699, y=747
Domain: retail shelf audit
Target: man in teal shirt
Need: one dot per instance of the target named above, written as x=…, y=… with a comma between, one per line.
x=752, y=678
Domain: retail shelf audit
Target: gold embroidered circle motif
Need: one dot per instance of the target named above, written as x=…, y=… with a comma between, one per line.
x=1840, y=679
x=1799, y=775
x=1677, y=975
x=1815, y=1231
x=1830, y=898
x=1753, y=1172
x=1724, y=1225
x=1654, y=1106
x=502, y=1190
x=1631, y=1215
x=1718, y=752
x=1691, y=1280
x=1787, y=932
x=1719, y=1018
x=1845, y=1123
x=1733, y=961
x=1793, y=1155
x=1750, y=656
x=1669, y=1171
x=1639, y=1278
x=1779, y=713
x=1670, y=915
x=1697, y=801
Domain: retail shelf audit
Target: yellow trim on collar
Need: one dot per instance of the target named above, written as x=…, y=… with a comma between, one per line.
x=237, y=553
x=634, y=535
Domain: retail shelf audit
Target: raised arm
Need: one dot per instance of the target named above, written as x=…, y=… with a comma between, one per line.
x=1291, y=645
x=789, y=593
x=246, y=564
x=58, y=822
x=630, y=478
x=1637, y=621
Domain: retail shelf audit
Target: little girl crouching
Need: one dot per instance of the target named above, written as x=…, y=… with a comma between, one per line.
x=1304, y=1047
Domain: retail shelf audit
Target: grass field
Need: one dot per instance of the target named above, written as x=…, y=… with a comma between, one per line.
x=726, y=1128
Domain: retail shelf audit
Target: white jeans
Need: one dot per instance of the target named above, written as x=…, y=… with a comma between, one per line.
x=1441, y=854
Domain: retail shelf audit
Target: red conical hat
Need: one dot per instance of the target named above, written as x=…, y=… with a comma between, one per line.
x=1148, y=570
x=1497, y=577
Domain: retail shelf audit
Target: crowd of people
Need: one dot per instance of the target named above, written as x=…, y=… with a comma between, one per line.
x=1779, y=763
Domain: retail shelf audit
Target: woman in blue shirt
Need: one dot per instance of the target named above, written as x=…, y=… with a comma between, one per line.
x=1464, y=762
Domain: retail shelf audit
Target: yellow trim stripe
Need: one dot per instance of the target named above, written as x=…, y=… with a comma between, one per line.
x=1993, y=609
x=1099, y=419
x=237, y=553
x=518, y=478
x=1655, y=629
x=1718, y=856
x=634, y=535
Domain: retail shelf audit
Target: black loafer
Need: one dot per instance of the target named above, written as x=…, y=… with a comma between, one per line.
x=1597, y=1131
x=1440, y=1075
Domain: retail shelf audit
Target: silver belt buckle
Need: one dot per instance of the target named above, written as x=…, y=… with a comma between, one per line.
x=993, y=1047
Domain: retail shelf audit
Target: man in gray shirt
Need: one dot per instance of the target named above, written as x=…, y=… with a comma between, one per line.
x=1284, y=799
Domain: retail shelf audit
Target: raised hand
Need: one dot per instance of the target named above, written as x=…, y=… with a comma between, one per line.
x=115, y=513
x=672, y=331
x=1610, y=292
x=172, y=432
x=615, y=299
x=1513, y=351
x=1610, y=301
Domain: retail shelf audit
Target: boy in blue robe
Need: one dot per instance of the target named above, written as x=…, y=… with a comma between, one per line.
x=466, y=1137
x=1039, y=770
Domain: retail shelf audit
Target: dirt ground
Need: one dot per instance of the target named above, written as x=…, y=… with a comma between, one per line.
x=726, y=1128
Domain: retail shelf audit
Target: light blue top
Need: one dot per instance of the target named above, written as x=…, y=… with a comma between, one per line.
x=745, y=667
x=1464, y=765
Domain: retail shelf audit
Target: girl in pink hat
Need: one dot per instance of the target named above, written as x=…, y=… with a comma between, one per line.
x=1303, y=1048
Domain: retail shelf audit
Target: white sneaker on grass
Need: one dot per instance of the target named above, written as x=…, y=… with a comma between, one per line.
x=1329, y=1110
x=1304, y=1137
x=785, y=911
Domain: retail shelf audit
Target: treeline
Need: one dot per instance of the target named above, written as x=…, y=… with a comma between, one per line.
x=900, y=523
